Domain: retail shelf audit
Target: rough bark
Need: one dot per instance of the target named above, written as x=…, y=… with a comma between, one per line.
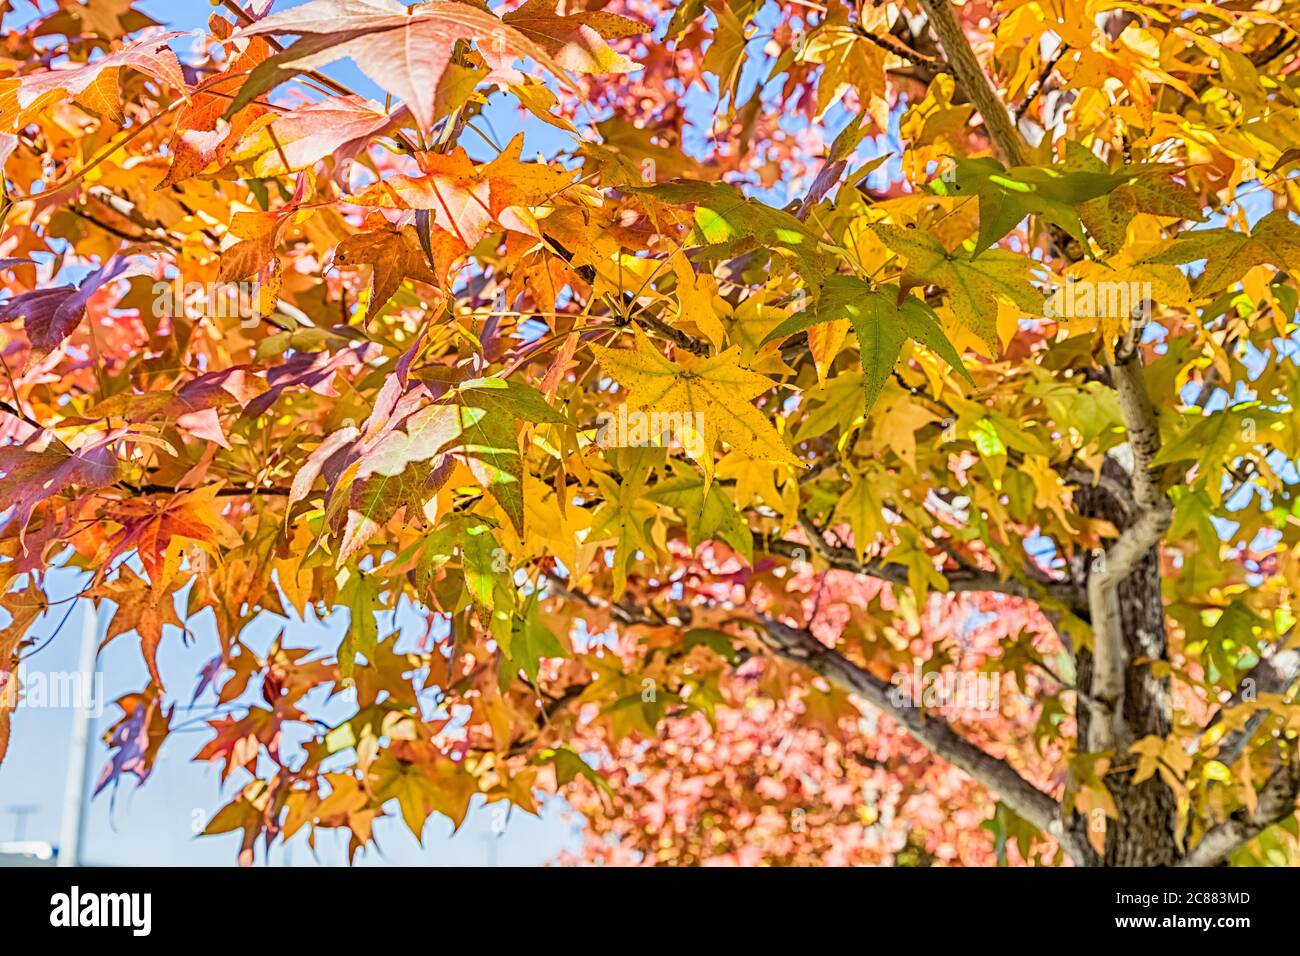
x=1143, y=835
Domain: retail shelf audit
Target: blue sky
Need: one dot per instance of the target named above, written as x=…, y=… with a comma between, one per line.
x=156, y=823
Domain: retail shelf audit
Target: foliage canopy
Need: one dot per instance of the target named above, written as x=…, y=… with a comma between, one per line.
x=694, y=442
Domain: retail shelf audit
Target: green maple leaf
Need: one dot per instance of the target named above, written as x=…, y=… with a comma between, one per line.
x=1193, y=515
x=516, y=399
x=714, y=394
x=484, y=565
x=624, y=516
x=1008, y=196
x=882, y=318
x=569, y=766
x=1228, y=254
x=530, y=643
x=1007, y=825
x=1211, y=439
x=359, y=596
x=1230, y=644
x=1152, y=189
x=491, y=449
x=728, y=224
x=708, y=511
x=973, y=285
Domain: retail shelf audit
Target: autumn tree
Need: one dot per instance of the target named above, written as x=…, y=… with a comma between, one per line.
x=843, y=351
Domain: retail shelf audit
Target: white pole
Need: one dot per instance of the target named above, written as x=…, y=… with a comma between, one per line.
x=79, y=757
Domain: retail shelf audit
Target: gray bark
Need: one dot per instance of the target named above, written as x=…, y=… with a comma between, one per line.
x=1143, y=835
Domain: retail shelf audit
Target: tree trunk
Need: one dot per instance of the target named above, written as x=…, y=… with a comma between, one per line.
x=1143, y=835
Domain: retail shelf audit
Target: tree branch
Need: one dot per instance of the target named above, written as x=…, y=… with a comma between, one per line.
x=1276, y=803
x=1152, y=517
x=228, y=491
x=959, y=579
x=1044, y=75
x=894, y=45
x=1275, y=673
x=799, y=646
x=971, y=76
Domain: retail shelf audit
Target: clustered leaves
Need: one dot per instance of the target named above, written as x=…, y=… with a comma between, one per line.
x=428, y=399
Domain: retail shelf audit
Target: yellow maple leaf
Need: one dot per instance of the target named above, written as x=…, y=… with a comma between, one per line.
x=711, y=397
